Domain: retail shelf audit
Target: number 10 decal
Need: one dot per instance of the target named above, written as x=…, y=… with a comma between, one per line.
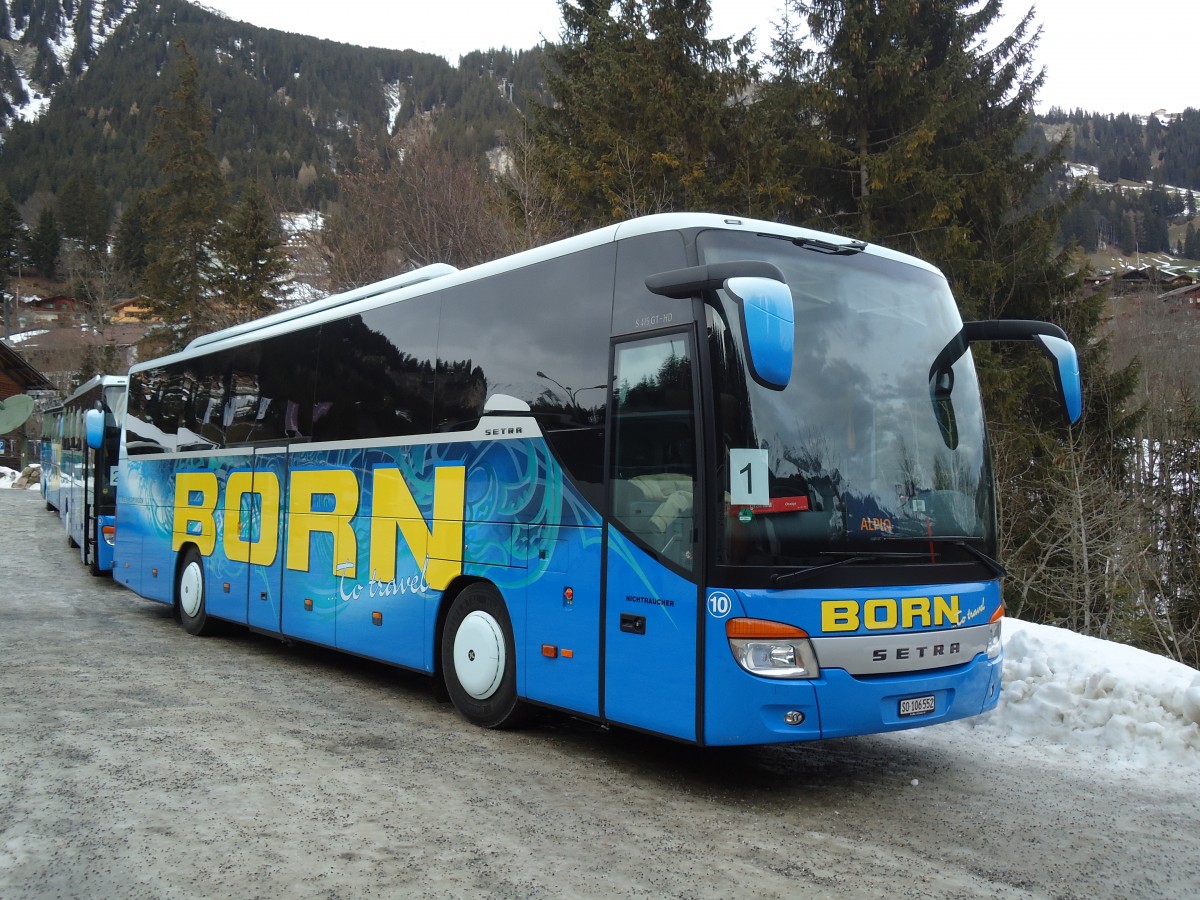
x=748, y=478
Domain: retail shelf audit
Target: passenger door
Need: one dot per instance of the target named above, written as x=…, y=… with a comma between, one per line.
x=651, y=608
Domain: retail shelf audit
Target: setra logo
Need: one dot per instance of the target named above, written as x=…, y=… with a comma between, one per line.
x=887, y=614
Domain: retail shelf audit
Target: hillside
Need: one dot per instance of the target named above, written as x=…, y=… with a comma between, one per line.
x=1140, y=177
x=80, y=79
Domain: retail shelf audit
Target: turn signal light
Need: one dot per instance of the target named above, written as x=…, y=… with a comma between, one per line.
x=761, y=628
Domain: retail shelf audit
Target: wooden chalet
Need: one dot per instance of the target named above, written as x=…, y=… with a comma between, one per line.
x=17, y=376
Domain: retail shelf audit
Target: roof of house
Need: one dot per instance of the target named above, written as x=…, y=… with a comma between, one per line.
x=14, y=366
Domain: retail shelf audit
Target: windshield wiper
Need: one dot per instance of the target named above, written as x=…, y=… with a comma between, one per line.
x=780, y=579
x=996, y=567
x=848, y=249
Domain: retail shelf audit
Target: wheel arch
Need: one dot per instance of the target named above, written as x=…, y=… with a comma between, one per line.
x=449, y=595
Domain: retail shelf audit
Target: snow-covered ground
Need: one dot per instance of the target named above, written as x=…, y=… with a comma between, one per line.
x=9, y=476
x=1064, y=692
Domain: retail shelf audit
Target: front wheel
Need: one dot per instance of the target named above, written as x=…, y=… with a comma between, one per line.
x=479, y=660
x=189, y=595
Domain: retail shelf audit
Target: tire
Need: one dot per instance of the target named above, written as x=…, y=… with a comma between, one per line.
x=93, y=563
x=479, y=659
x=189, y=595
x=71, y=542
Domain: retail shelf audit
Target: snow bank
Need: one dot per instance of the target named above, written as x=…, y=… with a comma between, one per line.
x=8, y=477
x=1071, y=691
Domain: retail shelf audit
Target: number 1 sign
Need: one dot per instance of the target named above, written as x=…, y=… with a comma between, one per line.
x=748, y=478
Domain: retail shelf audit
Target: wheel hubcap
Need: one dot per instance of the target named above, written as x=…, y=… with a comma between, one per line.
x=191, y=589
x=479, y=654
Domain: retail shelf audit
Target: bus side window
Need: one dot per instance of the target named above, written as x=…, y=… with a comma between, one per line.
x=654, y=462
x=375, y=377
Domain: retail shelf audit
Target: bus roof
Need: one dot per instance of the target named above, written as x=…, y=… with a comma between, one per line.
x=395, y=283
x=98, y=381
x=436, y=277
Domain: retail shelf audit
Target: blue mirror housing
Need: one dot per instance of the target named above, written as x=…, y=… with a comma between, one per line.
x=769, y=324
x=1051, y=339
x=1066, y=373
x=93, y=426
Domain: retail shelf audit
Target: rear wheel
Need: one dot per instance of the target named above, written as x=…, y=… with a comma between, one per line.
x=479, y=660
x=189, y=594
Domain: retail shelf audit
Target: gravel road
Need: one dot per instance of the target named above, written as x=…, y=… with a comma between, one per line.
x=136, y=761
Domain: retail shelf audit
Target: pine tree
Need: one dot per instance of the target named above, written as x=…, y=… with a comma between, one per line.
x=645, y=109
x=11, y=228
x=84, y=51
x=12, y=231
x=186, y=208
x=252, y=265
x=132, y=237
x=84, y=212
x=45, y=243
x=901, y=127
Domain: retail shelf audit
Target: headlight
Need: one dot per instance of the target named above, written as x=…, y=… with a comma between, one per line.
x=994, y=645
x=772, y=649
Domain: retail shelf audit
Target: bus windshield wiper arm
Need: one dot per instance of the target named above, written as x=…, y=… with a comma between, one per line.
x=781, y=578
x=848, y=249
x=995, y=565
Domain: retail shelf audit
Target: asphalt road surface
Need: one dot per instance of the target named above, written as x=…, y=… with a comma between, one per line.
x=137, y=761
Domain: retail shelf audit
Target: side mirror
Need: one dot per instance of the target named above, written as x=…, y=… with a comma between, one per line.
x=1051, y=339
x=1066, y=373
x=769, y=324
x=765, y=301
x=93, y=426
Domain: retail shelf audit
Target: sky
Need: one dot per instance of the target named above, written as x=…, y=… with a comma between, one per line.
x=1105, y=56
x=1074, y=698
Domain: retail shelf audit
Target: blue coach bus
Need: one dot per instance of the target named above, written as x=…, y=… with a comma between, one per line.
x=79, y=478
x=716, y=479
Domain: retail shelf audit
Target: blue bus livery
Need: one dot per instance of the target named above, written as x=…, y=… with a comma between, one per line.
x=79, y=479
x=707, y=477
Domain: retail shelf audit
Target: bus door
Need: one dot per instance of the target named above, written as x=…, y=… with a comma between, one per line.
x=87, y=548
x=651, y=597
x=263, y=524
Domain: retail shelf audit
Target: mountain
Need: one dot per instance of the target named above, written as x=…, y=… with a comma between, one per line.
x=80, y=79
x=43, y=42
x=1142, y=178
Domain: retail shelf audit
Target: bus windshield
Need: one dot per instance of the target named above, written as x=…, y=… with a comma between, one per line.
x=856, y=455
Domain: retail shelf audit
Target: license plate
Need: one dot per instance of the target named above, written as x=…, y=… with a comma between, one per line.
x=918, y=706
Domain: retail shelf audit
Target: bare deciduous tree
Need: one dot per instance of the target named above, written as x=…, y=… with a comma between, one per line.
x=419, y=205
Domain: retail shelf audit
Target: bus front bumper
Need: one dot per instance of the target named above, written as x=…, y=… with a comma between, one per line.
x=755, y=710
